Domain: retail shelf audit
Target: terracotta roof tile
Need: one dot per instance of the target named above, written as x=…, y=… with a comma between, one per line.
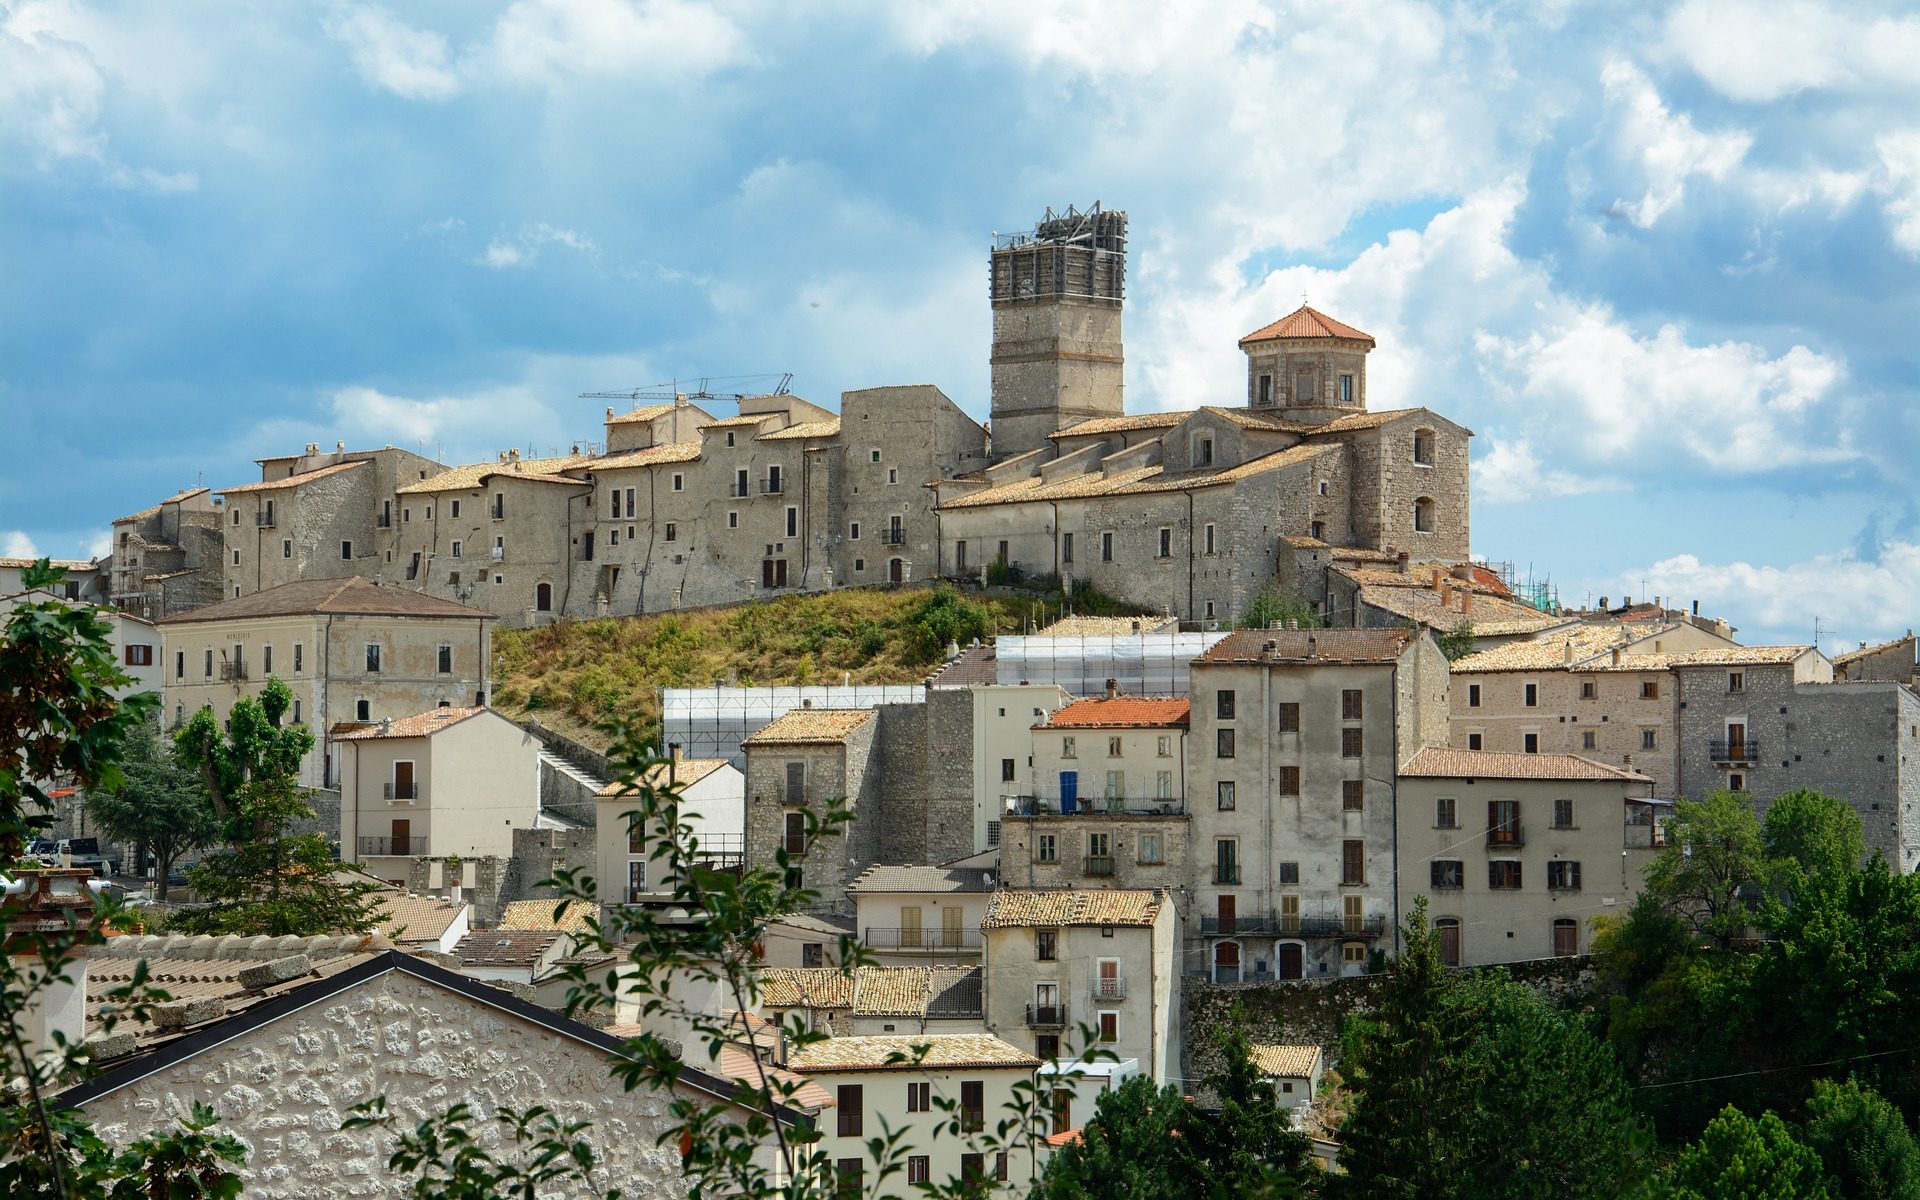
x=352, y=596
x=1107, y=626
x=1122, y=712
x=803, y=430
x=806, y=987
x=274, y=485
x=742, y=419
x=1590, y=643
x=652, y=456
x=651, y=412
x=1443, y=762
x=1737, y=656
x=1102, y=425
x=976, y=665
x=507, y=947
x=1139, y=480
x=1290, y=1061
x=1305, y=322
x=1310, y=647
x=406, y=919
x=424, y=724
x=471, y=476
x=809, y=726
x=921, y=1052
x=538, y=915
x=1105, y=906
x=686, y=772
x=736, y=1064
x=1490, y=616
x=890, y=991
x=152, y=509
x=923, y=879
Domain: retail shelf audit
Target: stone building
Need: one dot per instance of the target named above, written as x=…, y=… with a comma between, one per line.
x=168, y=558
x=1002, y=716
x=796, y=766
x=1896, y=661
x=1296, y=741
x=1565, y=839
x=350, y=650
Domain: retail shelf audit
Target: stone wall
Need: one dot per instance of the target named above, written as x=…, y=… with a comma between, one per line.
x=537, y=854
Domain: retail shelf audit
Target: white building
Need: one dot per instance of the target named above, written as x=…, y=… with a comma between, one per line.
x=712, y=801
x=922, y=913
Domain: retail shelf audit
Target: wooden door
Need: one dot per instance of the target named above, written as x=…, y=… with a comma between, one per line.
x=952, y=926
x=910, y=927
x=1566, y=938
x=766, y=572
x=1292, y=961
x=402, y=837
x=1227, y=918
x=896, y=571
x=403, y=780
x=1449, y=930
x=1226, y=962
x=1736, y=740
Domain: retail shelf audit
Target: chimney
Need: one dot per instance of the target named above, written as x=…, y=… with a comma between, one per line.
x=339, y=447
x=386, y=725
x=1603, y=604
x=1616, y=656
x=1436, y=578
x=1446, y=590
x=1569, y=651
x=1696, y=608
x=1113, y=689
x=609, y=414
x=1466, y=602
x=56, y=903
x=1313, y=646
x=1400, y=560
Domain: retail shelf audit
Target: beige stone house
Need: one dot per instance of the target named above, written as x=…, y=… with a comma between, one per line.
x=922, y=913
x=1003, y=718
x=1895, y=661
x=798, y=764
x=712, y=800
x=874, y=1000
x=1518, y=853
x=351, y=651
x=1295, y=742
x=1103, y=959
x=1106, y=800
x=444, y=783
x=168, y=558
x=1295, y=1070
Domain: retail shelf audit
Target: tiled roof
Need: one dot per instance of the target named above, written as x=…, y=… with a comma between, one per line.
x=69, y=564
x=526, y=915
x=1550, y=652
x=1100, y=425
x=686, y=773
x=1260, y=419
x=1490, y=617
x=404, y=918
x=809, y=726
x=738, y=1066
x=922, y=879
x=1104, y=906
x=1853, y=656
x=743, y=419
x=150, y=510
x=424, y=724
x=274, y=485
x=352, y=596
x=806, y=987
x=904, y=1052
x=1311, y=646
x=1136, y=481
x=1734, y=656
x=470, y=477
x=976, y=665
x=1443, y=762
x=1296, y=1062
x=1305, y=322
x=1367, y=420
x=652, y=456
x=803, y=430
x=890, y=991
x=1122, y=712
x=650, y=413
x=1107, y=626
x=506, y=947
x=810, y=923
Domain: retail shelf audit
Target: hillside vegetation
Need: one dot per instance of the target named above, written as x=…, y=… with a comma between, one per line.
x=574, y=675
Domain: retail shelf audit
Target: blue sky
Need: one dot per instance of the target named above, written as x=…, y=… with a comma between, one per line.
x=1664, y=259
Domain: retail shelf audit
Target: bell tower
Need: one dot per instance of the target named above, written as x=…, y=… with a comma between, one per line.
x=1057, y=356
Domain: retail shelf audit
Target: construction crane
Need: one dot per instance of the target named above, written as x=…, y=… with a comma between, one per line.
x=669, y=390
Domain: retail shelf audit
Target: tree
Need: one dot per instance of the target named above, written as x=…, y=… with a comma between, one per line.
x=1713, y=859
x=159, y=804
x=1457, y=643
x=1128, y=1151
x=1248, y=1147
x=1869, y=1152
x=1807, y=835
x=270, y=880
x=1269, y=609
x=1739, y=1158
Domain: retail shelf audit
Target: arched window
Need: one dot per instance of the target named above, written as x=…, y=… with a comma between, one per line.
x=1423, y=515
x=1423, y=447
x=1226, y=962
x=1448, y=928
x=543, y=597
x=1566, y=937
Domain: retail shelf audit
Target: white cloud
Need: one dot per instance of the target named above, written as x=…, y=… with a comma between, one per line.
x=1854, y=598
x=16, y=544
x=1666, y=147
x=1508, y=472
x=409, y=62
x=1900, y=157
x=543, y=40
x=1761, y=51
x=100, y=544
x=522, y=248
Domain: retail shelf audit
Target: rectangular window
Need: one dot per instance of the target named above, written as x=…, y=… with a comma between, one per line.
x=1163, y=746
x=973, y=1171
x=373, y=658
x=1530, y=743
x=1448, y=873
x=363, y=710
x=454, y=508
x=1503, y=822
x=973, y=1107
x=1225, y=790
x=1352, y=795
x=1563, y=813
x=1069, y=748
x=1113, y=747
x=1736, y=681
x=1588, y=690
x=673, y=532
x=733, y=520
x=1223, y=743
x=142, y=656
x=1353, y=863
x=457, y=547
x=1503, y=875
x=1588, y=739
x=1647, y=739
x=346, y=551
x=236, y=558
x=796, y=833
x=614, y=510
x=179, y=664
x=1265, y=394
x=679, y=483
x=286, y=547
x=893, y=475
x=1226, y=860
x=1163, y=785
x=1150, y=849
x=209, y=671
x=1207, y=539
x=1289, y=717
x=960, y=555
x=849, y=1105
x=443, y=660
x=299, y=653
x=1109, y=1026
x=919, y=1097
x=1289, y=781
x=1446, y=814
x=853, y=531
x=1223, y=704
x=1006, y=770
x=796, y=781
x=1350, y=743
x=1290, y=873
x=1351, y=705
x=793, y=521
x=1166, y=542
x=1533, y=696
x=1066, y=547
x=1650, y=689
x=1473, y=695
x=1563, y=876
x=919, y=1168
x=1473, y=741
x=1346, y=389
x=266, y=660
x=848, y=1176
x=1106, y=547
x=1046, y=848
x=1046, y=945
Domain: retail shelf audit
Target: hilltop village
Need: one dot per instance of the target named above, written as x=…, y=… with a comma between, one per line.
x=1110, y=822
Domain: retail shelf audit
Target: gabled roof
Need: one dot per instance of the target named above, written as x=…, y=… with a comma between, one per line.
x=1490, y=616
x=809, y=726
x=150, y=510
x=1100, y=425
x=1306, y=322
x=1070, y=906
x=1311, y=647
x=1135, y=480
x=685, y=773
x=1072, y=626
x=922, y=879
x=806, y=987
x=1122, y=712
x=506, y=947
x=910, y=1052
x=650, y=413
x=405, y=918
x=292, y=481
x=1285, y=1061
x=352, y=596
x=538, y=915
x=803, y=430
x=653, y=456
x=1854, y=656
x=424, y=724
x=469, y=477
x=1550, y=652
x=1444, y=762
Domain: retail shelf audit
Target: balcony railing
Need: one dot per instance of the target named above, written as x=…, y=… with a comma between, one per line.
x=402, y=791
x=231, y=671
x=1099, y=864
x=263, y=519
x=388, y=847
x=738, y=491
x=1508, y=836
x=772, y=487
x=896, y=537
x=1095, y=806
x=1228, y=873
x=1046, y=1016
x=1109, y=989
x=383, y=521
x=499, y=554
x=1301, y=927
x=1734, y=752
x=922, y=940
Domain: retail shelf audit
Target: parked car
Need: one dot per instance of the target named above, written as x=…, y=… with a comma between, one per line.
x=80, y=852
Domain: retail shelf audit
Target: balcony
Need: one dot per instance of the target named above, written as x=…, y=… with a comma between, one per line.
x=383, y=521
x=402, y=791
x=1747, y=751
x=1509, y=836
x=391, y=847
x=233, y=672
x=1046, y=1016
x=499, y=554
x=263, y=519
x=738, y=491
x=1286, y=926
x=772, y=487
x=1094, y=806
x=923, y=940
x=1226, y=873
x=1099, y=864
x=895, y=537
x=1109, y=989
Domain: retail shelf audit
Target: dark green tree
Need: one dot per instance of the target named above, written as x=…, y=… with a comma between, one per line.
x=270, y=880
x=1269, y=608
x=1457, y=643
x=1127, y=1151
x=1246, y=1147
x=1739, y=1158
x=1812, y=834
x=159, y=803
x=1709, y=873
x=1869, y=1152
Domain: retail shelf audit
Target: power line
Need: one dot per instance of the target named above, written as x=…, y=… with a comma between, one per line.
x=1776, y=1070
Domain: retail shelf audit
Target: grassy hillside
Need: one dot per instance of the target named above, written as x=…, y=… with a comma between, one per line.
x=575, y=674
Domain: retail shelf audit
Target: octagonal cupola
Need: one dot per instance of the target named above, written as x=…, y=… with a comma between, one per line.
x=1308, y=366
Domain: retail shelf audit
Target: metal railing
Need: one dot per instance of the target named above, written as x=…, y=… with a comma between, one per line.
x=1507, y=835
x=922, y=940
x=499, y=554
x=392, y=846
x=1046, y=1016
x=230, y=671
x=383, y=521
x=773, y=487
x=1094, y=806
x=1302, y=927
x=1099, y=864
x=402, y=791
x=1734, y=752
x=263, y=519
x=896, y=537
x=1109, y=989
